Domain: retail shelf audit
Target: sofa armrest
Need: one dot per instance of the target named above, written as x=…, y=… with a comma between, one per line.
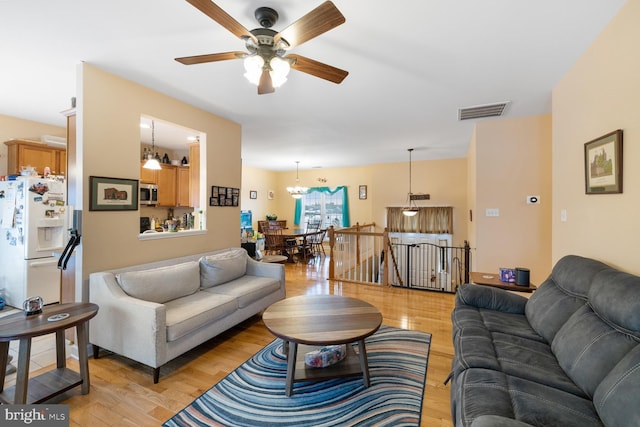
x=491, y=298
x=265, y=269
x=125, y=325
x=497, y=421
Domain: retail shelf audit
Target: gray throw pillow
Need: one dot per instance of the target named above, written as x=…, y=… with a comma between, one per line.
x=161, y=284
x=222, y=267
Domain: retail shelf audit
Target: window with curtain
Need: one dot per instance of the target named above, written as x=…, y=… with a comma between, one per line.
x=429, y=220
x=330, y=207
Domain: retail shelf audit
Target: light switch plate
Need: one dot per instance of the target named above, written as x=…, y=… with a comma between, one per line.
x=492, y=212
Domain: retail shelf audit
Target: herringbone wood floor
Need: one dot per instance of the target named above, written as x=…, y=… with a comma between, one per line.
x=123, y=394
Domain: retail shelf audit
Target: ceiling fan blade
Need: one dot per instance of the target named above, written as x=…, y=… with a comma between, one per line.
x=318, y=69
x=212, y=57
x=320, y=20
x=266, y=84
x=216, y=13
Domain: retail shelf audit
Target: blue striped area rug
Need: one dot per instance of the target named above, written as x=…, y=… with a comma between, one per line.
x=253, y=394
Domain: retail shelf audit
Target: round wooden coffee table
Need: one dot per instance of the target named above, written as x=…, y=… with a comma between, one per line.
x=318, y=320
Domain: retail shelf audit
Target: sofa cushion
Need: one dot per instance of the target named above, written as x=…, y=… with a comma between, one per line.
x=588, y=348
x=564, y=292
x=483, y=391
x=616, y=398
x=161, y=284
x=515, y=356
x=186, y=314
x=493, y=321
x=222, y=267
x=247, y=289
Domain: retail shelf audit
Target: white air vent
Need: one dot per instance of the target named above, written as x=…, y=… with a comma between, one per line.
x=482, y=111
x=54, y=140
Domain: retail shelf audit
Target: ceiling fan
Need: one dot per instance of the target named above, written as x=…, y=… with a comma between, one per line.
x=267, y=62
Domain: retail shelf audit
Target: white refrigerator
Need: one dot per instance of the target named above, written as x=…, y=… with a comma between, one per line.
x=33, y=227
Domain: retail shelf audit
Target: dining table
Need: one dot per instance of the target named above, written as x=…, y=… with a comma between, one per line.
x=300, y=236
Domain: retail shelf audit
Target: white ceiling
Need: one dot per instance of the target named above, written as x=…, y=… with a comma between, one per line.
x=411, y=63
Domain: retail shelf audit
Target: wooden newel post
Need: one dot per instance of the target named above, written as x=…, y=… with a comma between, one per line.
x=386, y=252
x=332, y=242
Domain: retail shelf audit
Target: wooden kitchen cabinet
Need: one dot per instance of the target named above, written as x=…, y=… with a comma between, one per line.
x=174, y=184
x=183, y=186
x=194, y=172
x=147, y=176
x=167, y=178
x=23, y=152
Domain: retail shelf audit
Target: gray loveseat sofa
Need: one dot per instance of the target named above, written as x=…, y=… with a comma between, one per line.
x=568, y=356
x=154, y=312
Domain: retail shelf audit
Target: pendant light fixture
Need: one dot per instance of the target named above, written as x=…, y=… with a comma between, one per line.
x=411, y=209
x=152, y=162
x=297, y=192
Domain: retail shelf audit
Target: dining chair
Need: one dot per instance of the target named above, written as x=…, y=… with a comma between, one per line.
x=273, y=241
x=317, y=241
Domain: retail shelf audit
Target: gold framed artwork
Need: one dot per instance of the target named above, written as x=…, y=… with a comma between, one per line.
x=603, y=164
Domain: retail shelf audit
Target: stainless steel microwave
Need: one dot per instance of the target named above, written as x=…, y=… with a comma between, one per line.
x=148, y=194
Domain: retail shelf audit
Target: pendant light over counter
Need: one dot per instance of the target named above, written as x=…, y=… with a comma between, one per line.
x=152, y=162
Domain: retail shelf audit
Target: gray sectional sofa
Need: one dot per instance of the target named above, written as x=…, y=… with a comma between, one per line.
x=154, y=312
x=568, y=356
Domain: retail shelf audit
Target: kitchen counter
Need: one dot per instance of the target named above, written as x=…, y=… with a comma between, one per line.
x=170, y=234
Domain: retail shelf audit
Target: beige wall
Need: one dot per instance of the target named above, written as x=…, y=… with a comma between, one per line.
x=599, y=95
x=15, y=128
x=512, y=161
x=444, y=180
x=387, y=185
x=109, y=110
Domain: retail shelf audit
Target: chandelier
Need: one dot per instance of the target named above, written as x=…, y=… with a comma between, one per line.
x=411, y=209
x=297, y=192
x=152, y=162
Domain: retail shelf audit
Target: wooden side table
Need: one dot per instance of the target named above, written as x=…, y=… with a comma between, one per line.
x=489, y=279
x=45, y=386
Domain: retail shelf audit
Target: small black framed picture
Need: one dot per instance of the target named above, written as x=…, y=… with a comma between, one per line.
x=253, y=194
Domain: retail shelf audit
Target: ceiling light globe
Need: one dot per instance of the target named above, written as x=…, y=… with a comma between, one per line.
x=409, y=212
x=279, y=71
x=152, y=163
x=253, y=66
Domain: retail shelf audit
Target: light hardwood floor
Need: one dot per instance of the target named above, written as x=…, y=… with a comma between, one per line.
x=123, y=394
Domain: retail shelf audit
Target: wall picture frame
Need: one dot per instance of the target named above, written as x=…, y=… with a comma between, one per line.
x=271, y=194
x=253, y=194
x=362, y=192
x=113, y=194
x=224, y=196
x=603, y=164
